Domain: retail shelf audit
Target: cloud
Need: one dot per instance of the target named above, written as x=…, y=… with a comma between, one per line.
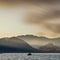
x=34, y=0
x=49, y=20
x=44, y=13
x=53, y=27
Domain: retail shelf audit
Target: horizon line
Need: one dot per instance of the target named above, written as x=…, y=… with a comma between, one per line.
x=31, y=35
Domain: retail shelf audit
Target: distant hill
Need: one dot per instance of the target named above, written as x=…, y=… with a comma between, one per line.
x=41, y=40
x=15, y=45
x=50, y=48
x=25, y=43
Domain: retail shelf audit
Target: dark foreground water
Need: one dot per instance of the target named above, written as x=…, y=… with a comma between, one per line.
x=34, y=56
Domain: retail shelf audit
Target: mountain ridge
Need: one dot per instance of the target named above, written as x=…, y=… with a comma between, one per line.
x=25, y=43
x=32, y=36
x=15, y=44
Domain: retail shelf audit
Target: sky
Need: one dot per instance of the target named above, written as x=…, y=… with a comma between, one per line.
x=41, y=18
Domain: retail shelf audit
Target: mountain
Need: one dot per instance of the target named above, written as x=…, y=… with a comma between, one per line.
x=43, y=44
x=39, y=41
x=30, y=43
x=50, y=48
x=32, y=37
x=15, y=45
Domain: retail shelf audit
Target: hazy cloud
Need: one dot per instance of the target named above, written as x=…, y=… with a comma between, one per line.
x=43, y=13
x=50, y=19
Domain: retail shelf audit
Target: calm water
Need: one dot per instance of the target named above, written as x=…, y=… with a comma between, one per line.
x=34, y=56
